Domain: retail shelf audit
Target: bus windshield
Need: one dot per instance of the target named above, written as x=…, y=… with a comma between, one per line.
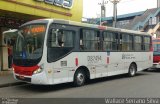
x=29, y=43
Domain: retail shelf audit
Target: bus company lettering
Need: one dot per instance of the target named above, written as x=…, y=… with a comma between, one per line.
x=63, y=3
x=128, y=56
x=94, y=59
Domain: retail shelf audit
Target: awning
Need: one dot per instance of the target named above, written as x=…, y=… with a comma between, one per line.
x=10, y=34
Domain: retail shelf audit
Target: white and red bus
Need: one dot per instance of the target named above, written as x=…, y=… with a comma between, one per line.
x=53, y=51
x=156, y=53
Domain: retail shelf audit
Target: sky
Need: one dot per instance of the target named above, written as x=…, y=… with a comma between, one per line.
x=91, y=9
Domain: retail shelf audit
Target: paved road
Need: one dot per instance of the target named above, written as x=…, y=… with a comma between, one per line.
x=145, y=84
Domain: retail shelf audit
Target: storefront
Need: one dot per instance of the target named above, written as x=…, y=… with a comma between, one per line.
x=13, y=13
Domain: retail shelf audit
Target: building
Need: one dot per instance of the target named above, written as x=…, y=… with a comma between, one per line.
x=121, y=19
x=13, y=13
x=144, y=22
x=147, y=21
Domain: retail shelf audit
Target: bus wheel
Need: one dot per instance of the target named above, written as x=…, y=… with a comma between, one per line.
x=79, y=78
x=132, y=70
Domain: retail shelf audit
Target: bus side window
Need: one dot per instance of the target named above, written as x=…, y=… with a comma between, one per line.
x=53, y=38
x=120, y=42
x=60, y=38
x=109, y=41
x=81, y=44
x=89, y=40
x=127, y=42
x=147, y=43
x=138, y=43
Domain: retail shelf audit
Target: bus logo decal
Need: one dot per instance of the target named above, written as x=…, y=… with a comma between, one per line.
x=128, y=56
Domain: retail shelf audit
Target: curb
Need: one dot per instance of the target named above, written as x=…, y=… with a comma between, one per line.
x=12, y=84
x=5, y=73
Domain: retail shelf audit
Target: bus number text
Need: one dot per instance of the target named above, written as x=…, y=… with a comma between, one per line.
x=94, y=59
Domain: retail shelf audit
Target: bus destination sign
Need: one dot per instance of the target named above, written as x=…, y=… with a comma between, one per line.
x=63, y=3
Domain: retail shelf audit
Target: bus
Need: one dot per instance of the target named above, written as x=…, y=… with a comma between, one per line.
x=54, y=51
x=156, y=53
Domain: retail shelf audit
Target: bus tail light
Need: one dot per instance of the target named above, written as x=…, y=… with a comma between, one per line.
x=156, y=59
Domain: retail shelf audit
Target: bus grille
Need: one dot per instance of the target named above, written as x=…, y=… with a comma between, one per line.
x=24, y=79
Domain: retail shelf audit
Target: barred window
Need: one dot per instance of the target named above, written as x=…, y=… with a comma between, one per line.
x=89, y=40
x=109, y=41
x=127, y=42
x=138, y=43
x=147, y=44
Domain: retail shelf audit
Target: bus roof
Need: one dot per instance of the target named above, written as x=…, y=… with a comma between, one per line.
x=62, y=21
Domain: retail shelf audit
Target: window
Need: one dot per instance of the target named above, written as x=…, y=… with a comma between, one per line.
x=60, y=43
x=109, y=41
x=61, y=38
x=138, y=43
x=153, y=21
x=89, y=40
x=127, y=42
x=147, y=43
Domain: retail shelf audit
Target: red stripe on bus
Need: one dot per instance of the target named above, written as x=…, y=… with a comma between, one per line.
x=76, y=61
x=107, y=60
x=28, y=71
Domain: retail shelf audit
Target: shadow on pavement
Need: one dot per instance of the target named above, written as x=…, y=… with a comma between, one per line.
x=116, y=77
x=155, y=70
x=48, y=88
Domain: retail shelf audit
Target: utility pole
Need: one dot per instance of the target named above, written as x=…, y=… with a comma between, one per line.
x=103, y=9
x=115, y=2
x=158, y=3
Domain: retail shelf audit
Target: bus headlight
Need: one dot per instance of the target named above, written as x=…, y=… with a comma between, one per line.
x=13, y=68
x=39, y=70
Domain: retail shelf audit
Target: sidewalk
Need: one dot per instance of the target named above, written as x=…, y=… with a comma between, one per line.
x=7, y=79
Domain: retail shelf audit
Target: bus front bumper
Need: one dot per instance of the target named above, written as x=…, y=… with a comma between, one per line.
x=38, y=79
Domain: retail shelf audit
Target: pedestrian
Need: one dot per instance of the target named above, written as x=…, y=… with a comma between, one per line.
x=9, y=56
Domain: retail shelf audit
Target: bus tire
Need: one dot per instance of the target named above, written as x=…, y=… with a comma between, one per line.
x=79, y=78
x=132, y=70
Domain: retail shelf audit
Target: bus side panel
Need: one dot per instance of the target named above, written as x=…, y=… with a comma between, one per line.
x=116, y=64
